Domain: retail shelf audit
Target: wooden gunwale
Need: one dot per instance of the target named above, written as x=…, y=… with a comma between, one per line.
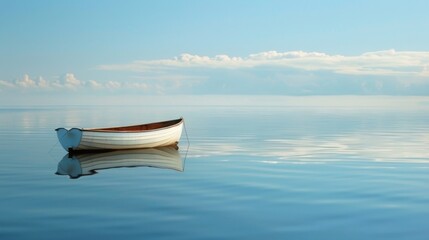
x=139, y=128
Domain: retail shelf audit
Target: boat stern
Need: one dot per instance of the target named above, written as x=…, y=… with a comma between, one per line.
x=69, y=139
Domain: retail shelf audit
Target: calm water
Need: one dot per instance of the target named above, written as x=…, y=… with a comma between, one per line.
x=249, y=173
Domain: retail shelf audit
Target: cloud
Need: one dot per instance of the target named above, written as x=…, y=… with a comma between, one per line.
x=137, y=85
x=290, y=73
x=6, y=84
x=380, y=63
x=43, y=83
x=386, y=72
x=26, y=82
x=113, y=84
x=425, y=72
x=154, y=83
x=94, y=84
x=70, y=81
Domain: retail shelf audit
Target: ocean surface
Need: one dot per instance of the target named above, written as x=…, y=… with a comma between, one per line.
x=241, y=172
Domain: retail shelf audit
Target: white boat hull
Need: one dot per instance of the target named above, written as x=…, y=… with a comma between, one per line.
x=77, y=139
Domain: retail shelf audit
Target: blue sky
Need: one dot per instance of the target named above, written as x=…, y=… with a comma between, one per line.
x=105, y=48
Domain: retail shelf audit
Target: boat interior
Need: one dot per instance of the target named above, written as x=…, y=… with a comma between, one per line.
x=138, y=128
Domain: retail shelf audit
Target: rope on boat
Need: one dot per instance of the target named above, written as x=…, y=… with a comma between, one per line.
x=186, y=132
x=187, y=139
x=56, y=144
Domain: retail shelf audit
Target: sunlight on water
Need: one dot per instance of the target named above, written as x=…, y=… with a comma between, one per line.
x=250, y=172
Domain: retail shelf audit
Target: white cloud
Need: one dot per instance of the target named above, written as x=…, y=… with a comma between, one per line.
x=137, y=85
x=425, y=71
x=26, y=82
x=68, y=81
x=384, y=63
x=95, y=84
x=43, y=83
x=113, y=85
x=286, y=55
x=71, y=81
x=6, y=84
x=270, y=72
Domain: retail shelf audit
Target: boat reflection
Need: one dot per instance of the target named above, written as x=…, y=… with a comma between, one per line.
x=84, y=164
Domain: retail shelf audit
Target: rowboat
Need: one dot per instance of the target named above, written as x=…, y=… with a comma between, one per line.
x=88, y=163
x=150, y=135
